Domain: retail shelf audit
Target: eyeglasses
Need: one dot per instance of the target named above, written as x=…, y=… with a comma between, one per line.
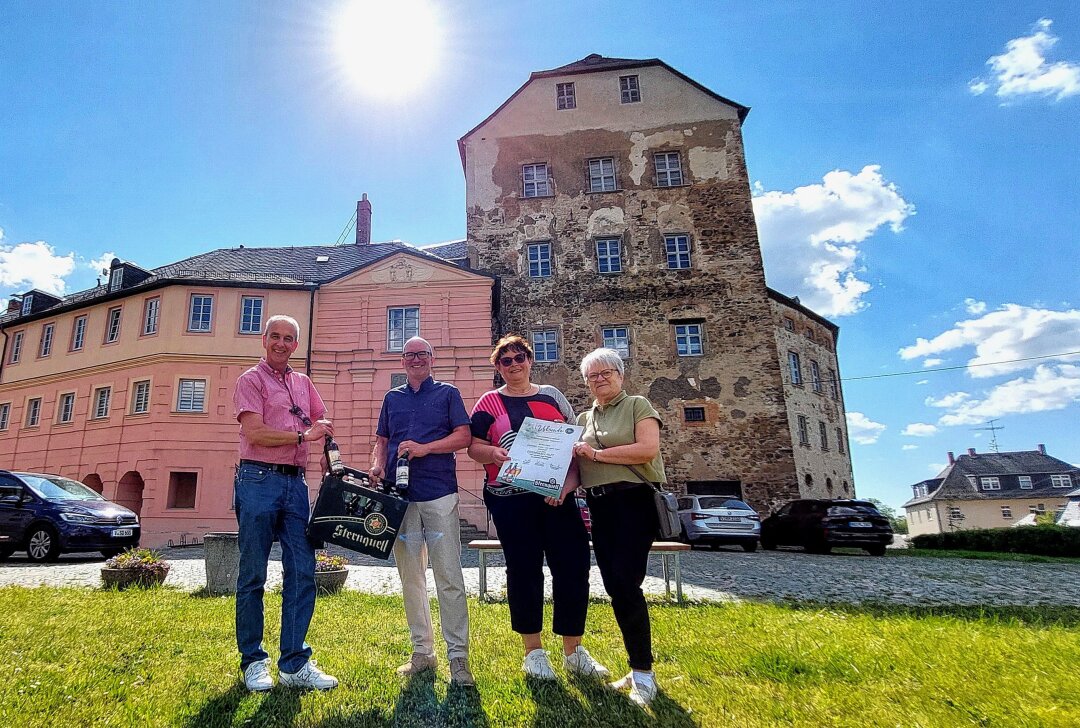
x=412, y=355
x=518, y=358
x=297, y=412
x=597, y=376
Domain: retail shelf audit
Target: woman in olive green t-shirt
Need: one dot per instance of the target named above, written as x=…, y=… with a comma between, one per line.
x=619, y=458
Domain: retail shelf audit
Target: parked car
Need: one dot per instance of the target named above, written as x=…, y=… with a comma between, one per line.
x=819, y=525
x=586, y=516
x=49, y=515
x=718, y=519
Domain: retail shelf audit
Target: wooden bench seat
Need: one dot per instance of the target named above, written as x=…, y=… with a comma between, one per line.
x=669, y=551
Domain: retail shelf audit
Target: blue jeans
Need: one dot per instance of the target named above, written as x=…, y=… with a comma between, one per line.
x=270, y=505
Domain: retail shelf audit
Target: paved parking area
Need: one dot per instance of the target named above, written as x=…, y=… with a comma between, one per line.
x=707, y=575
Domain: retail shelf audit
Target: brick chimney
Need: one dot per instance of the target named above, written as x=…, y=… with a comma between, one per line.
x=363, y=221
x=1042, y=449
x=952, y=458
x=971, y=451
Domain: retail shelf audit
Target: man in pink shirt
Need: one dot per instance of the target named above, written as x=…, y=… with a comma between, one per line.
x=279, y=413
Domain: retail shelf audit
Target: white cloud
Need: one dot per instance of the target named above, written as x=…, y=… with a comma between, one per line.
x=34, y=265
x=974, y=307
x=909, y=447
x=1051, y=387
x=920, y=429
x=1023, y=69
x=1010, y=333
x=932, y=362
x=101, y=263
x=810, y=236
x=949, y=400
x=862, y=429
x=922, y=382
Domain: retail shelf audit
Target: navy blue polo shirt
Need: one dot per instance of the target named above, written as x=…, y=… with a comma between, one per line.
x=426, y=415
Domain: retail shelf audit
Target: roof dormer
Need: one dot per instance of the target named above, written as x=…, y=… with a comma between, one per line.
x=34, y=301
x=124, y=275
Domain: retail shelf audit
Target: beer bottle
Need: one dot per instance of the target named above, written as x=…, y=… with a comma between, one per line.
x=333, y=457
x=401, y=473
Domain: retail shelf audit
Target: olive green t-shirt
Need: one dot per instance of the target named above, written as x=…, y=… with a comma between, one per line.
x=614, y=423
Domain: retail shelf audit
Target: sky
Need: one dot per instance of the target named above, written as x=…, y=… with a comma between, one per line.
x=914, y=165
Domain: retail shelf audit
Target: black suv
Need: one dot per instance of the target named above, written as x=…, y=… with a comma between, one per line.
x=819, y=525
x=48, y=515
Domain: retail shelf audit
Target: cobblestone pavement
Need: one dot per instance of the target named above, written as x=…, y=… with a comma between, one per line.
x=707, y=575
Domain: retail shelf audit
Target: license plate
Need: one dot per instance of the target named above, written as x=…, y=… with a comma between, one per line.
x=121, y=532
x=860, y=524
x=727, y=518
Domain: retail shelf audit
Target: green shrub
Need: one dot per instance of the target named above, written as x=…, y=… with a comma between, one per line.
x=1040, y=540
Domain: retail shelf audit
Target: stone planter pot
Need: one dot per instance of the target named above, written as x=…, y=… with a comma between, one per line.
x=330, y=582
x=123, y=578
x=222, y=558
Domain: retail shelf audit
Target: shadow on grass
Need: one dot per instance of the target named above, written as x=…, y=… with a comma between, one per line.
x=277, y=707
x=1041, y=616
x=614, y=708
x=418, y=706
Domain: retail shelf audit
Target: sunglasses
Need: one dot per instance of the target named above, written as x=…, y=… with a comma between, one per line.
x=518, y=358
x=297, y=412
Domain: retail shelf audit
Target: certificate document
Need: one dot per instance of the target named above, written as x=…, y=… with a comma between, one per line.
x=540, y=456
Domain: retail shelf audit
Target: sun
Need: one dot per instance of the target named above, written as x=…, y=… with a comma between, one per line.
x=387, y=48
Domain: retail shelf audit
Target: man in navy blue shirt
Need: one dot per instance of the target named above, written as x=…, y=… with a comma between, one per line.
x=427, y=421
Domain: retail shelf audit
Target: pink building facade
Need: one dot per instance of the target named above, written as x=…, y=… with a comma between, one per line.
x=128, y=387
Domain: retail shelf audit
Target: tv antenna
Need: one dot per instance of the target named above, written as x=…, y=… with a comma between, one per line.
x=993, y=428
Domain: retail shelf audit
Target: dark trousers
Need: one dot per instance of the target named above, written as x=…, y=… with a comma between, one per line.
x=529, y=530
x=623, y=529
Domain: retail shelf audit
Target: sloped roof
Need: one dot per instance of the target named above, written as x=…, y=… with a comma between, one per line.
x=1007, y=466
x=453, y=250
x=1023, y=462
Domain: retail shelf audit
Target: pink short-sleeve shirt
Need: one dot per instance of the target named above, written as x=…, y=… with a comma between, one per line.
x=271, y=395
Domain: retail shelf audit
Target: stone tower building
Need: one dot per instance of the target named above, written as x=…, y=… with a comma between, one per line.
x=610, y=197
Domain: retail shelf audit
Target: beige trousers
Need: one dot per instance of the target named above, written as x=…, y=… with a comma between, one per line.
x=431, y=530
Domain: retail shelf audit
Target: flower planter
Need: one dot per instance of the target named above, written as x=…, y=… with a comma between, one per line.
x=330, y=582
x=123, y=578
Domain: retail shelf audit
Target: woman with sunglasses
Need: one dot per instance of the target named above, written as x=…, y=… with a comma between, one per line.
x=619, y=459
x=531, y=526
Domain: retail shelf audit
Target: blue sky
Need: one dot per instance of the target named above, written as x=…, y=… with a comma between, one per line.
x=914, y=165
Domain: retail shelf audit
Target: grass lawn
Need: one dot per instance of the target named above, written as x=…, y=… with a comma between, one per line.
x=167, y=658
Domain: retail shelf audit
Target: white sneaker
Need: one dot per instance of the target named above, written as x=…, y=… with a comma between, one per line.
x=257, y=676
x=308, y=676
x=582, y=663
x=538, y=665
x=642, y=686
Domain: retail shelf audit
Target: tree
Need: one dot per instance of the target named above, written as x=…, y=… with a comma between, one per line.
x=898, y=523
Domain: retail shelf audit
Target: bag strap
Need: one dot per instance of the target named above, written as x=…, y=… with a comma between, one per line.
x=635, y=471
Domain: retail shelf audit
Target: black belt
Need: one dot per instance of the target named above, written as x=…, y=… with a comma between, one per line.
x=292, y=470
x=601, y=490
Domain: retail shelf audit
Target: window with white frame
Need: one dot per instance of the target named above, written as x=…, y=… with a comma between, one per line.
x=251, y=314
x=815, y=376
x=5, y=415
x=668, y=169
x=609, y=255
x=795, y=368
x=33, y=412
x=972, y=480
x=402, y=324
x=140, y=398
x=27, y=304
x=112, y=325
x=46, y=339
x=990, y=483
x=78, y=333
x=602, y=175
x=116, y=278
x=191, y=395
x=834, y=385
x=1006, y=512
x=565, y=98
x=539, y=259
x=688, y=339
x=629, y=90
x=678, y=251
x=151, y=311
x=839, y=441
x=1025, y=482
x=1037, y=509
x=535, y=180
x=617, y=338
x=201, y=313
x=545, y=343
x=65, y=411
x=955, y=513
x=804, y=430
x=16, y=347
x=398, y=380
x=101, y=402
x=1061, y=481
x=823, y=430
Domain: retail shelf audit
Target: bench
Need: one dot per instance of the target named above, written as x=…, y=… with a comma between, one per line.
x=668, y=550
